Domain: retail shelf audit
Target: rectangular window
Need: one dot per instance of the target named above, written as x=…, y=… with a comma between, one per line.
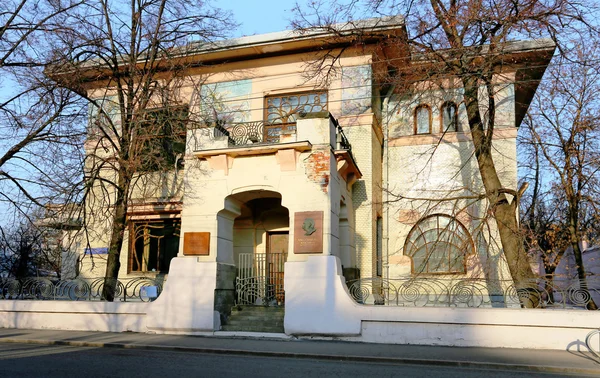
x=153, y=243
x=281, y=112
x=103, y=117
x=161, y=139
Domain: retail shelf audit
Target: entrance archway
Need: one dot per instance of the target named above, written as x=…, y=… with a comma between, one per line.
x=260, y=248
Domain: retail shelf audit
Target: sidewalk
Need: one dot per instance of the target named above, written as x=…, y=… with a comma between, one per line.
x=550, y=361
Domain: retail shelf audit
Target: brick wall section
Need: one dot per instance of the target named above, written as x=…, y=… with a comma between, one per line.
x=317, y=167
x=361, y=138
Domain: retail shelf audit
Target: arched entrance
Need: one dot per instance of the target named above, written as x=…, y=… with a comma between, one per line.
x=260, y=239
x=260, y=248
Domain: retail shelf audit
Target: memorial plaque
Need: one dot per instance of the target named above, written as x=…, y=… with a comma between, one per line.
x=196, y=243
x=308, y=232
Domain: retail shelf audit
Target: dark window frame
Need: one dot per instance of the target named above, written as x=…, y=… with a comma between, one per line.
x=135, y=262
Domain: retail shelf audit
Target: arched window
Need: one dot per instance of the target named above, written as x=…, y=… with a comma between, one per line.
x=423, y=119
x=449, y=117
x=438, y=244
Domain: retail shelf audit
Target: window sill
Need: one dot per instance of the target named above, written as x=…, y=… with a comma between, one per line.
x=448, y=137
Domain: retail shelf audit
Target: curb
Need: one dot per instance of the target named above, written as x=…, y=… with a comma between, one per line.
x=327, y=357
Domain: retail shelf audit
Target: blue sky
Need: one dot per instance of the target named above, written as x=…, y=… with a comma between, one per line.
x=259, y=16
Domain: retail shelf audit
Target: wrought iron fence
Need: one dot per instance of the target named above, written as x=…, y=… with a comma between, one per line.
x=80, y=289
x=434, y=292
x=259, y=291
x=260, y=279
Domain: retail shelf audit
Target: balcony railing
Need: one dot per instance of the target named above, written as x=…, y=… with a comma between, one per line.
x=342, y=142
x=257, y=132
x=261, y=132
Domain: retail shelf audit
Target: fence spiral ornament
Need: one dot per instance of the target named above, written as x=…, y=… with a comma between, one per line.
x=578, y=296
x=12, y=289
x=466, y=293
x=413, y=292
x=360, y=293
x=133, y=288
x=42, y=289
x=74, y=290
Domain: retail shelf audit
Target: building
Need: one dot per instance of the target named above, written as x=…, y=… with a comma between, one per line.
x=277, y=168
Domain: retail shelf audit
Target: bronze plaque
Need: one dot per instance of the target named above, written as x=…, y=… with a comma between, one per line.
x=196, y=243
x=308, y=232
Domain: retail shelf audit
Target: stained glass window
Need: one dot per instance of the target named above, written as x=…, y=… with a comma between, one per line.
x=153, y=244
x=438, y=244
x=281, y=112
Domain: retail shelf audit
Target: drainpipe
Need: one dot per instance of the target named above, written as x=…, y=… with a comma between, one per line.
x=386, y=158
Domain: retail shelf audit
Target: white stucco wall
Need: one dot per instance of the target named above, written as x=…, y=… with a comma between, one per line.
x=76, y=316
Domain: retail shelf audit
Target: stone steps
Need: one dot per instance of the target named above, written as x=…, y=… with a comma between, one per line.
x=255, y=319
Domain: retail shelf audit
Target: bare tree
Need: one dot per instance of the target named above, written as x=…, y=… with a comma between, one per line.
x=135, y=55
x=470, y=42
x=564, y=128
x=39, y=148
x=29, y=251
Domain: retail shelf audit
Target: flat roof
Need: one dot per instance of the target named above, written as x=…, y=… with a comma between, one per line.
x=376, y=24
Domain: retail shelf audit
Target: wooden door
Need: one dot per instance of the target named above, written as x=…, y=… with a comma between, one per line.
x=276, y=257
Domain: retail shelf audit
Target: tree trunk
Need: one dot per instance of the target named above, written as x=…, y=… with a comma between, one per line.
x=575, y=244
x=116, y=238
x=505, y=212
x=24, y=257
x=549, y=284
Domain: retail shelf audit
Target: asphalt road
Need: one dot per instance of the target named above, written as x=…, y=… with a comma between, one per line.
x=25, y=360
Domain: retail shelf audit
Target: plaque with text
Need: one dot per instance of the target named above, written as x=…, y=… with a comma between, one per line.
x=308, y=232
x=196, y=243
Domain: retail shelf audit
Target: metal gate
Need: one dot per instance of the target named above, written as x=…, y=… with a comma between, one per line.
x=260, y=279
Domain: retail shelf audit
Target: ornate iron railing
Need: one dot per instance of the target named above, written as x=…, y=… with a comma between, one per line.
x=434, y=292
x=342, y=141
x=247, y=133
x=261, y=132
x=79, y=289
x=259, y=279
x=240, y=134
x=259, y=291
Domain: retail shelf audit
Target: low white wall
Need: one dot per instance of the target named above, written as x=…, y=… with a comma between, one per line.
x=499, y=328
x=72, y=315
x=317, y=303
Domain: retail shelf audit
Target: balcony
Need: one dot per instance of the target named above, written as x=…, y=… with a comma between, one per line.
x=261, y=133
x=220, y=144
